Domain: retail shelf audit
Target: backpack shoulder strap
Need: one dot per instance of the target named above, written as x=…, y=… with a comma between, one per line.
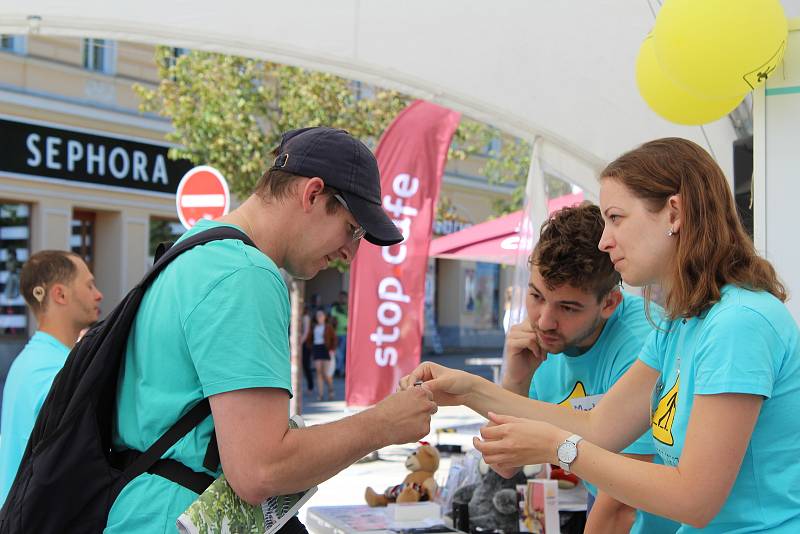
x=153, y=454
x=207, y=236
x=161, y=249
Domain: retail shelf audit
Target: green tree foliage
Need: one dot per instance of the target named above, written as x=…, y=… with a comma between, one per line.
x=510, y=164
x=229, y=111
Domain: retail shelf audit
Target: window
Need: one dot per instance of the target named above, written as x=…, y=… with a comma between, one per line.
x=14, y=251
x=175, y=53
x=492, y=148
x=99, y=55
x=81, y=241
x=362, y=91
x=163, y=230
x=12, y=43
x=172, y=59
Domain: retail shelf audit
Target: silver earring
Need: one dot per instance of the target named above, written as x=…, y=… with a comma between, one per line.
x=670, y=233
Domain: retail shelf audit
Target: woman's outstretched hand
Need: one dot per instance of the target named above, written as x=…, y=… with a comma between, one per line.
x=510, y=442
x=450, y=387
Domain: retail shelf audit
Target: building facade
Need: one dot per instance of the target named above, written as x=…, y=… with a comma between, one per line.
x=82, y=169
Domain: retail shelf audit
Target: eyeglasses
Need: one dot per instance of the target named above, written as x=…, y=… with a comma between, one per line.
x=359, y=231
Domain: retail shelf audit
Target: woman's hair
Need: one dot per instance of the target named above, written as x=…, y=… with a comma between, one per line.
x=712, y=247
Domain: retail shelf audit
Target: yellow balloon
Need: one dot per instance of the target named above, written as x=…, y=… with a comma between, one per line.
x=671, y=101
x=720, y=48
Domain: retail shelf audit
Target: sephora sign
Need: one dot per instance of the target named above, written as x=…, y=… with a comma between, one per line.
x=43, y=151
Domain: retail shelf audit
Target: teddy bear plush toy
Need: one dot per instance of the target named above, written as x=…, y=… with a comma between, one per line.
x=419, y=484
x=492, y=500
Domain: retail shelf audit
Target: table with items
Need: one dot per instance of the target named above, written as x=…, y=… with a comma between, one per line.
x=471, y=498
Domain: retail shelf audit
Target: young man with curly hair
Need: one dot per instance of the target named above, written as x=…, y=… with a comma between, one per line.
x=581, y=334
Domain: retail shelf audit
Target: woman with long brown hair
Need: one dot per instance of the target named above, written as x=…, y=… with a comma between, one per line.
x=718, y=381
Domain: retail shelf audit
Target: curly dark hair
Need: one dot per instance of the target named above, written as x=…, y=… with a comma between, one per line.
x=567, y=251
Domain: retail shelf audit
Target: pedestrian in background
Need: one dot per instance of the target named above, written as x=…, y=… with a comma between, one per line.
x=321, y=340
x=60, y=292
x=339, y=314
x=308, y=365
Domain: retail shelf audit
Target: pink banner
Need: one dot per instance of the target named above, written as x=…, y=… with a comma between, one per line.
x=387, y=284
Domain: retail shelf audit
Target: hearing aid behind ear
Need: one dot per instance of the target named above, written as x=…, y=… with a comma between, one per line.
x=38, y=294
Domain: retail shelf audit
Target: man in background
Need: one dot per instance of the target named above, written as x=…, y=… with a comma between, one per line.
x=61, y=293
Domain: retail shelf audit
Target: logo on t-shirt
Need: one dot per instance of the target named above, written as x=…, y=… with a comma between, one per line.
x=577, y=391
x=664, y=415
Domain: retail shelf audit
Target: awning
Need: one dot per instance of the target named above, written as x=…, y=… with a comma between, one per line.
x=494, y=241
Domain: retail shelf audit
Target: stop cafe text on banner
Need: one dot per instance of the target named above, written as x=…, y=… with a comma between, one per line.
x=387, y=284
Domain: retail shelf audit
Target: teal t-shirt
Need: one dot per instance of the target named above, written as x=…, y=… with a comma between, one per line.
x=746, y=343
x=215, y=320
x=581, y=381
x=28, y=382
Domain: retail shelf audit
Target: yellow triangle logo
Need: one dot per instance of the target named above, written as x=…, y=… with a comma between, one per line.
x=577, y=392
x=664, y=415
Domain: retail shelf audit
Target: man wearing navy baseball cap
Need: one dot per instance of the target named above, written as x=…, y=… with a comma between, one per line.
x=214, y=325
x=344, y=164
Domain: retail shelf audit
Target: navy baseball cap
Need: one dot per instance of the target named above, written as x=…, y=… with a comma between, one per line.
x=345, y=164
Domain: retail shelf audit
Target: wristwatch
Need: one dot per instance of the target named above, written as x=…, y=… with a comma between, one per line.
x=568, y=451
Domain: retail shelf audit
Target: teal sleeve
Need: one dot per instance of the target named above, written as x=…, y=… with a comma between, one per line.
x=649, y=353
x=739, y=353
x=238, y=336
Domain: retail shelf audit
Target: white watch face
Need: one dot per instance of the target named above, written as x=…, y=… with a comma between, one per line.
x=567, y=452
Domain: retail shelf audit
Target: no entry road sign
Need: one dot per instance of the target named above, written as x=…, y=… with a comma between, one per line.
x=202, y=194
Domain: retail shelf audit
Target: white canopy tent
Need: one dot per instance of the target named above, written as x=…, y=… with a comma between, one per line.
x=560, y=73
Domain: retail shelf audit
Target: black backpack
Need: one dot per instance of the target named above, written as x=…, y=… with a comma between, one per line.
x=69, y=477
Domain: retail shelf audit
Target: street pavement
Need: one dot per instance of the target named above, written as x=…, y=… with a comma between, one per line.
x=387, y=467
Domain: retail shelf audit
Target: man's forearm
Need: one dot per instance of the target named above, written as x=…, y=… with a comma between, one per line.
x=309, y=456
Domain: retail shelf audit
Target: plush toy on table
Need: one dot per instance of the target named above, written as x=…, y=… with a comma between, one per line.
x=493, y=501
x=419, y=484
